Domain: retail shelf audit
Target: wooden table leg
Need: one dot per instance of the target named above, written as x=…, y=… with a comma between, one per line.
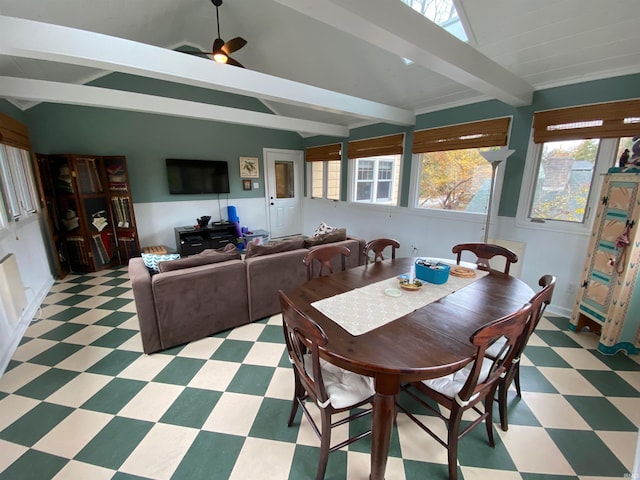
x=384, y=411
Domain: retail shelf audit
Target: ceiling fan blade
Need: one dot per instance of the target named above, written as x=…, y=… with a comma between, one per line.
x=235, y=63
x=218, y=44
x=233, y=45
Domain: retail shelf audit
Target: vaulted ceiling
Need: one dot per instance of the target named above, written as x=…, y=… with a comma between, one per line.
x=322, y=66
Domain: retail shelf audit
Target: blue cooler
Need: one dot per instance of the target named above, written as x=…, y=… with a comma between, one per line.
x=432, y=272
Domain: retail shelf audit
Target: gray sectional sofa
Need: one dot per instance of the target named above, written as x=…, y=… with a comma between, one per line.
x=203, y=294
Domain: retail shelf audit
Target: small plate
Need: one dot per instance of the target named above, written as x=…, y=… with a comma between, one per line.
x=392, y=292
x=410, y=286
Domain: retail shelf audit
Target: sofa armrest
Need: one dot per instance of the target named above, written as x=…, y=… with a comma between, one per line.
x=362, y=244
x=145, y=305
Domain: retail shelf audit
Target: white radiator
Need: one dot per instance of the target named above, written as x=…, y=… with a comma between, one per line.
x=12, y=293
x=499, y=262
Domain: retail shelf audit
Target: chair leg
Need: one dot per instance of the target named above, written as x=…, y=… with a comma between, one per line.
x=488, y=406
x=298, y=393
x=517, y=380
x=452, y=442
x=503, y=390
x=325, y=444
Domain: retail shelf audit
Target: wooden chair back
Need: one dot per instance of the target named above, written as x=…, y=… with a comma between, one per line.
x=511, y=328
x=304, y=336
x=538, y=303
x=377, y=246
x=323, y=254
x=484, y=252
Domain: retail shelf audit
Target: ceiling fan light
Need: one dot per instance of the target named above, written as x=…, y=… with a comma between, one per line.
x=220, y=57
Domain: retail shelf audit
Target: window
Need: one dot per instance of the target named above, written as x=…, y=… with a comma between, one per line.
x=17, y=181
x=451, y=174
x=375, y=169
x=454, y=180
x=324, y=171
x=441, y=12
x=566, y=177
x=377, y=179
x=573, y=147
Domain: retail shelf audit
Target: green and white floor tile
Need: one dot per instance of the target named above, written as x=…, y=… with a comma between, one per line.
x=80, y=400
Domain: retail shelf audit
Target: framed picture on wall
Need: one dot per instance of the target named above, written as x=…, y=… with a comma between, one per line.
x=246, y=184
x=249, y=167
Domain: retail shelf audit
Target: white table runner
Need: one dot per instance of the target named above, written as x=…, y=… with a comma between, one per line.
x=364, y=309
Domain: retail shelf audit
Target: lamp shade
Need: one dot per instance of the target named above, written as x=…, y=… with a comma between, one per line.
x=497, y=155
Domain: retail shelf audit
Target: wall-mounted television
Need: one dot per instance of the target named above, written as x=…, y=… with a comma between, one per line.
x=197, y=176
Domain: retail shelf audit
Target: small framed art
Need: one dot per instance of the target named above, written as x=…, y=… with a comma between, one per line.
x=249, y=167
x=246, y=184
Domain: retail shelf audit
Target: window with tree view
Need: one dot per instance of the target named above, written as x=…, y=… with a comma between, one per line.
x=454, y=180
x=565, y=178
x=573, y=148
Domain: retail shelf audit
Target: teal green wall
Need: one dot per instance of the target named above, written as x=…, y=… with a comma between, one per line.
x=607, y=90
x=11, y=110
x=147, y=140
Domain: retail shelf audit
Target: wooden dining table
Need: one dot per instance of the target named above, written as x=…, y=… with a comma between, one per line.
x=429, y=342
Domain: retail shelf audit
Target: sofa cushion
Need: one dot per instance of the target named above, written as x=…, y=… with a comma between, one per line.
x=151, y=260
x=206, y=257
x=254, y=250
x=337, y=235
x=323, y=229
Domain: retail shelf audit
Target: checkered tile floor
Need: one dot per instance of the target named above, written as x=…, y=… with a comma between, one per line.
x=80, y=400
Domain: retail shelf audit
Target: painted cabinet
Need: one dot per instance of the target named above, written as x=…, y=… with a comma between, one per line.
x=608, y=299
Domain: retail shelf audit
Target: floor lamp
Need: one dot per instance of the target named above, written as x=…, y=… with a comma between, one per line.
x=495, y=158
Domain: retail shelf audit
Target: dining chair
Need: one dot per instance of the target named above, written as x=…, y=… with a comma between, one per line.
x=466, y=388
x=484, y=252
x=539, y=304
x=332, y=389
x=377, y=246
x=324, y=254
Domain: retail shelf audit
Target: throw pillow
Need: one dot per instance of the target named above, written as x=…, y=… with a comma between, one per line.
x=254, y=250
x=323, y=229
x=151, y=260
x=206, y=257
x=337, y=235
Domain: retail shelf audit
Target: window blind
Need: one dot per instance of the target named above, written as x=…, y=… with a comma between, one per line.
x=373, y=147
x=605, y=120
x=14, y=133
x=486, y=133
x=324, y=153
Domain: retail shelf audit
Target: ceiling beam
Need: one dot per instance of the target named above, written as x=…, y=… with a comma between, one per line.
x=30, y=39
x=395, y=27
x=55, y=92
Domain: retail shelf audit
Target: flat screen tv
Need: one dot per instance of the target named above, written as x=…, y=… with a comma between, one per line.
x=197, y=176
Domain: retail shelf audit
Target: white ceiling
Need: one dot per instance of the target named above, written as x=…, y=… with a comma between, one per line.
x=350, y=47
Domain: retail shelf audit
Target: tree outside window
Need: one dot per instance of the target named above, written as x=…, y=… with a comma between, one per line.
x=565, y=178
x=456, y=180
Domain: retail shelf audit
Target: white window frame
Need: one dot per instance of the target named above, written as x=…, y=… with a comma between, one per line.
x=395, y=182
x=325, y=179
x=456, y=215
x=605, y=159
x=18, y=183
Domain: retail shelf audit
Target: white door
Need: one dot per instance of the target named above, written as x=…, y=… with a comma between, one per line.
x=284, y=191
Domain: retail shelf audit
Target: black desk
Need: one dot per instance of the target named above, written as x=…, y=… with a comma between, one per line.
x=192, y=240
